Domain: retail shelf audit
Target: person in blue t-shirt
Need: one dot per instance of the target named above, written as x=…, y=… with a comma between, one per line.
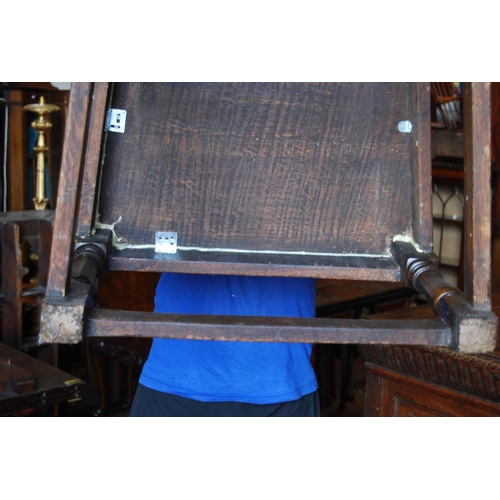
x=225, y=378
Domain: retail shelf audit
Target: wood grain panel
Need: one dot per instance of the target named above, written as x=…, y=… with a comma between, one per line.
x=477, y=211
x=64, y=220
x=11, y=285
x=391, y=394
x=90, y=177
x=115, y=323
x=312, y=167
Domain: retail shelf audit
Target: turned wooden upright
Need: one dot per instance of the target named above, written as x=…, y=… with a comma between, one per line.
x=319, y=180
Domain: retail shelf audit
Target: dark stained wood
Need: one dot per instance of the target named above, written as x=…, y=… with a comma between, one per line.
x=390, y=394
x=395, y=298
x=477, y=375
x=331, y=292
x=477, y=213
x=121, y=290
x=266, y=179
x=474, y=330
x=444, y=381
x=112, y=323
x=17, y=167
x=264, y=166
x=18, y=378
x=495, y=122
x=255, y=264
x=95, y=144
x=25, y=263
x=447, y=143
x=495, y=160
x=62, y=316
x=12, y=286
x=44, y=250
x=139, y=290
x=91, y=258
x=53, y=385
x=421, y=160
x=64, y=222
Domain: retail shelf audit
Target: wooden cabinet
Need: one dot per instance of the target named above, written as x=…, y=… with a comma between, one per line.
x=392, y=394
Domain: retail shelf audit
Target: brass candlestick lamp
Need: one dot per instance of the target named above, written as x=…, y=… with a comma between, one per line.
x=41, y=126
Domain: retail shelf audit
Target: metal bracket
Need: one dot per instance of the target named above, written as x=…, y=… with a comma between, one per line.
x=115, y=120
x=166, y=242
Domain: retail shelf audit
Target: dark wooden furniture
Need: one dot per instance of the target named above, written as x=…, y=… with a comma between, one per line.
x=29, y=386
x=329, y=181
x=431, y=381
x=26, y=239
x=350, y=300
x=419, y=381
x=117, y=361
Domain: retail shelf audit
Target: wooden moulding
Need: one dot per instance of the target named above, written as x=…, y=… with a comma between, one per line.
x=255, y=264
x=113, y=323
x=477, y=375
x=67, y=194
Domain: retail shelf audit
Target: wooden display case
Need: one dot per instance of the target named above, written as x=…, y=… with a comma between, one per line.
x=319, y=180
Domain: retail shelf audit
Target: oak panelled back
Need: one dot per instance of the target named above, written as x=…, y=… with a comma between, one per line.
x=314, y=168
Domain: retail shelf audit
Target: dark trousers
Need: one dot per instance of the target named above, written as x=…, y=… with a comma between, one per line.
x=151, y=403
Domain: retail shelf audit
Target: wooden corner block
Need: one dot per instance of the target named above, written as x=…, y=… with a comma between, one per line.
x=62, y=318
x=473, y=331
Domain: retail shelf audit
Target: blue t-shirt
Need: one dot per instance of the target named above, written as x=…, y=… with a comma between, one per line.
x=215, y=370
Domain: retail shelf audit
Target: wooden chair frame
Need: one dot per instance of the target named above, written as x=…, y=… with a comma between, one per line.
x=84, y=249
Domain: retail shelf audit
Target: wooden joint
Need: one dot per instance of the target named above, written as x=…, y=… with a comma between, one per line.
x=473, y=330
x=420, y=271
x=62, y=317
x=91, y=258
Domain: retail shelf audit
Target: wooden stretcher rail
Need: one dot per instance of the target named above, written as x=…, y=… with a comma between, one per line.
x=257, y=264
x=114, y=323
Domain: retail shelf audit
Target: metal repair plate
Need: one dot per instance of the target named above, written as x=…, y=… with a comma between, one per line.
x=115, y=120
x=166, y=242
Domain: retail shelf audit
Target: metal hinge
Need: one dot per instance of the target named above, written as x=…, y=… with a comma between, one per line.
x=115, y=120
x=166, y=242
